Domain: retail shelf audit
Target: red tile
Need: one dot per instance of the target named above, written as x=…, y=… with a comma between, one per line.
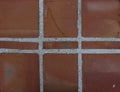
x=60, y=73
x=101, y=73
x=60, y=18
x=100, y=18
x=60, y=45
x=101, y=45
x=18, y=45
x=17, y=21
x=19, y=73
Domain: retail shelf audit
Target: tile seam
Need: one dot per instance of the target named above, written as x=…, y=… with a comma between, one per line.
x=2, y=50
x=89, y=39
x=59, y=39
x=101, y=51
x=62, y=51
x=41, y=37
x=79, y=48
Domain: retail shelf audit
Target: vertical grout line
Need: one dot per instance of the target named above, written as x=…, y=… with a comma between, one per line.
x=41, y=37
x=79, y=47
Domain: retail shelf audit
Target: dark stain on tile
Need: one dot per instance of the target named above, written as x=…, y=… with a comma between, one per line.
x=59, y=23
x=60, y=45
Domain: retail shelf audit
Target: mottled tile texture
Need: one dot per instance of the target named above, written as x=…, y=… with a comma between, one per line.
x=60, y=18
x=101, y=73
x=60, y=45
x=101, y=18
x=19, y=18
x=19, y=73
x=60, y=73
x=18, y=45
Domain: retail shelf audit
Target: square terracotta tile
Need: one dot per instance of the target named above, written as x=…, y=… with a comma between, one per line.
x=60, y=45
x=101, y=73
x=101, y=18
x=60, y=73
x=18, y=45
x=19, y=18
x=60, y=18
x=19, y=73
x=101, y=45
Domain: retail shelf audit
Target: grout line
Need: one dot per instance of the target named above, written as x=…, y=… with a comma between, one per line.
x=90, y=39
x=60, y=39
x=61, y=51
x=79, y=48
x=20, y=39
x=41, y=37
x=17, y=51
x=82, y=51
x=101, y=51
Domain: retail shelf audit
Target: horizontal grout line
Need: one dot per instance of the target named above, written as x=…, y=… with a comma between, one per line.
x=67, y=51
x=100, y=51
x=17, y=51
x=90, y=39
x=37, y=39
x=84, y=51
x=20, y=39
x=59, y=39
x=57, y=51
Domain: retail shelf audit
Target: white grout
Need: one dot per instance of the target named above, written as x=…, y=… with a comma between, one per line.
x=20, y=39
x=17, y=51
x=60, y=51
x=101, y=51
x=82, y=51
x=41, y=37
x=90, y=39
x=60, y=39
x=79, y=48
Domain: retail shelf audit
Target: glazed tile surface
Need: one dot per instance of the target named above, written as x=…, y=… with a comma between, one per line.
x=60, y=18
x=60, y=73
x=101, y=73
x=19, y=73
x=59, y=45
x=17, y=21
x=101, y=18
